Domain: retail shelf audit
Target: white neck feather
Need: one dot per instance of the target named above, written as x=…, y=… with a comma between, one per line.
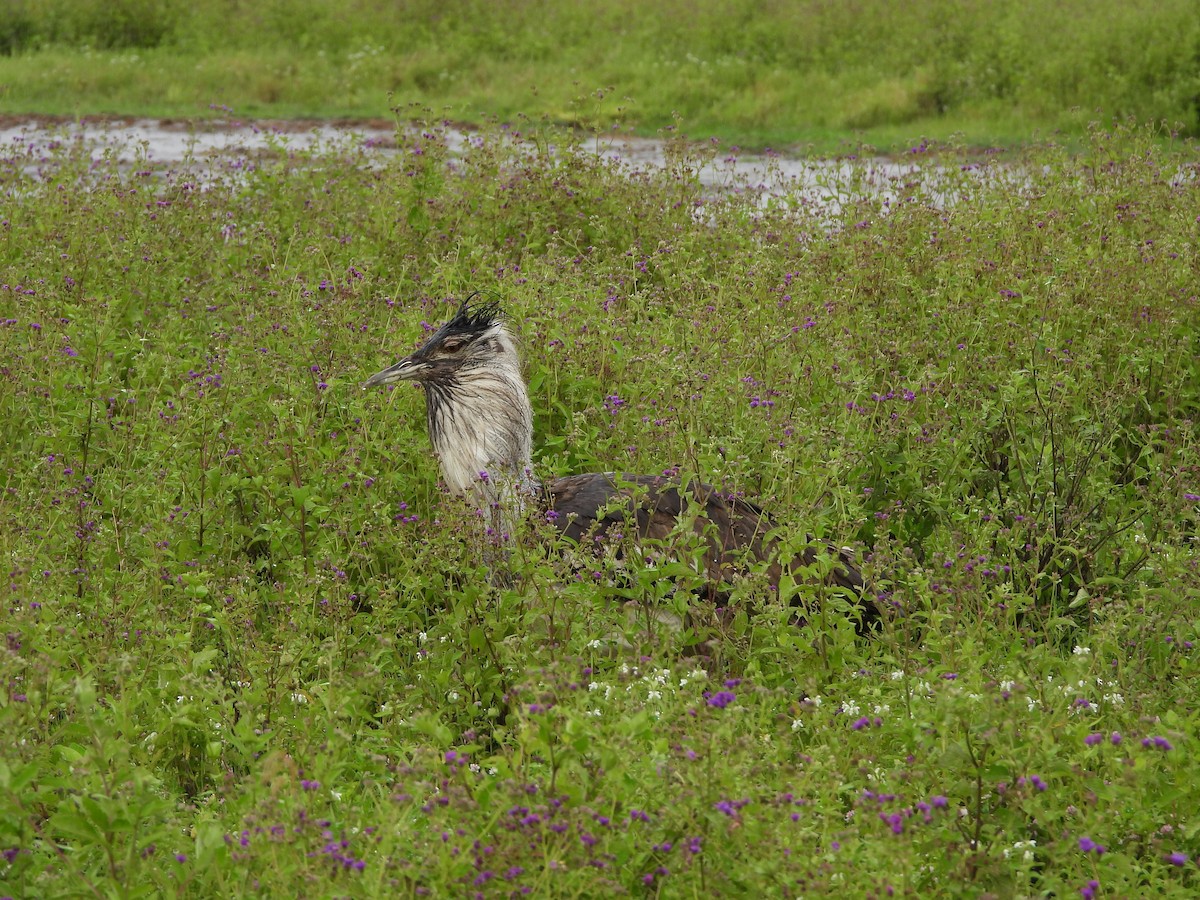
x=481, y=425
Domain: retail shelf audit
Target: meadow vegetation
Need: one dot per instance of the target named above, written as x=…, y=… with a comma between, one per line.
x=778, y=74
x=251, y=648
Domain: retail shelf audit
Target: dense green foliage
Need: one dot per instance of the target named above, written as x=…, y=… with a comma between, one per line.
x=251, y=648
x=757, y=72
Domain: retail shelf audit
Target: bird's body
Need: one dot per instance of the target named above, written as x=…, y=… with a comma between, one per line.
x=481, y=426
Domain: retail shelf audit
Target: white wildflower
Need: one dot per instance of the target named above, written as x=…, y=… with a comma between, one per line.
x=1081, y=651
x=1019, y=846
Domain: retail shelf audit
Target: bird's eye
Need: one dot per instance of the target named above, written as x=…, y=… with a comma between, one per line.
x=453, y=345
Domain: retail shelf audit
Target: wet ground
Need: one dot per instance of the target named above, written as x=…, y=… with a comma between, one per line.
x=168, y=142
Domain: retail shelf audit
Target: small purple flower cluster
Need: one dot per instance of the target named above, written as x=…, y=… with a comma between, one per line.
x=338, y=853
x=1034, y=780
x=731, y=808
x=720, y=699
x=896, y=819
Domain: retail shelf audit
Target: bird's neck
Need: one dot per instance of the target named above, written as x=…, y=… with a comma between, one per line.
x=481, y=425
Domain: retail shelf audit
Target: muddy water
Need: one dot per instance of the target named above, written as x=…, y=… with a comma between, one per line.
x=165, y=143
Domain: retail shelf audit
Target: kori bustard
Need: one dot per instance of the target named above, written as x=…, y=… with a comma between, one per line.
x=481, y=425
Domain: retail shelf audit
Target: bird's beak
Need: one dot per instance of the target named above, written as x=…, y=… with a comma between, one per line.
x=407, y=369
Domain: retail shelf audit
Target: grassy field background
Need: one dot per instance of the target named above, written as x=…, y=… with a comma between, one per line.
x=805, y=75
x=251, y=648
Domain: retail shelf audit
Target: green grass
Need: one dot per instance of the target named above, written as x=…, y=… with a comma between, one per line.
x=806, y=75
x=251, y=649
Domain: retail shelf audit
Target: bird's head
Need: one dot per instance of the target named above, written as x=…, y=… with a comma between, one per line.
x=474, y=338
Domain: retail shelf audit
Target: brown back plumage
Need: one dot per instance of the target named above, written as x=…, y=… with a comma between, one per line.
x=735, y=532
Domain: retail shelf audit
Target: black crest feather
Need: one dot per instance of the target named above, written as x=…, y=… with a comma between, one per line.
x=474, y=318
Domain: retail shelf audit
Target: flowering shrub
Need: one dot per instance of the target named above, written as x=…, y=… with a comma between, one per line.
x=251, y=646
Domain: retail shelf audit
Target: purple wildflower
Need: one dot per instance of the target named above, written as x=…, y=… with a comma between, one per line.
x=730, y=807
x=721, y=699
